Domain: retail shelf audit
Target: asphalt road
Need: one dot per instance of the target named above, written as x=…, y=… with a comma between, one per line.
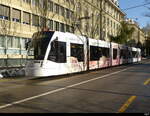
x=123, y=89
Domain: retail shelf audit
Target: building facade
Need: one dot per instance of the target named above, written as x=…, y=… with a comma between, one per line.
x=147, y=46
x=138, y=38
x=19, y=19
x=99, y=18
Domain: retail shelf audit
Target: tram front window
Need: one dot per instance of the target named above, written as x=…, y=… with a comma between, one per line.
x=40, y=44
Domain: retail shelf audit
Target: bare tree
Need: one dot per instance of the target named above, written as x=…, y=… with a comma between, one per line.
x=87, y=18
x=147, y=14
x=43, y=7
x=125, y=34
x=83, y=17
x=146, y=29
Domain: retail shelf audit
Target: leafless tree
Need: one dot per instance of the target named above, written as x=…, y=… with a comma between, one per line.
x=42, y=7
x=146, y=29
x=147, y=14
x=87, y=18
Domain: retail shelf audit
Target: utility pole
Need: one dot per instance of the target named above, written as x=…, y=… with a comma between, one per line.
x=101, y=18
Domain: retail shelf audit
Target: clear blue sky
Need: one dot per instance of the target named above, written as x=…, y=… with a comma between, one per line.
x=137, y=12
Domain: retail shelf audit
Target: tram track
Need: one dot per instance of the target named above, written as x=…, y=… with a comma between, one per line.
x=24, y=78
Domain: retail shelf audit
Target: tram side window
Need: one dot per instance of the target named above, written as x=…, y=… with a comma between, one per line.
x=77, y=50
x=114, y=53
x=95, y=53
x=129, y=55
x=139, y=54
x=123, y=54
x=134, y=54
x=58, y=52
x=105, y=52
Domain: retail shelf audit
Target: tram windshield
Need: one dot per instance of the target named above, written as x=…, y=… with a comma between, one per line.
x=40, y=43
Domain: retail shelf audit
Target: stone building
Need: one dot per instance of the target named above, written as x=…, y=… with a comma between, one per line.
x=138, y=37
x=19, y=19
x=100, y=18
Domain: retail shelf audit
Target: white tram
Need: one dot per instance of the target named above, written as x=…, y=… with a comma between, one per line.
x=58, y=53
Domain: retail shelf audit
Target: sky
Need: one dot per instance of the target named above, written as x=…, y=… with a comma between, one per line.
x=136, y=13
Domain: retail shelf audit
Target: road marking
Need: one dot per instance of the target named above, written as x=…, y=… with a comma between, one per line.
x=57, y=90
x=51, y=81
x=126, y=105
x=147, y=82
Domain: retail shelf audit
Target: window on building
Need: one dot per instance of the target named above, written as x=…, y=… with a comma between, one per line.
x=104, y=5
x=26, y=18
x=50, y=24
x=4, y=12
x=56, y=8
x=71, y=14
x=67, y=28
x=79, y=8
x=41, y=3
x=35, y=2
x=106, y=8
x=107, y=21
x=111, y=23
x=67, y=13
x=42, y=22
x=104, y=20
x=114, y=25
x=77, y=51
x=2, y=41
x=118, y=17
x=58, y=52
x=56, y=24
x=95, y=53
x=16, y=42
x=62, y=11
x=27, y=1
x=50, y=6
x=23, y=42
x=16, y=15
x=35, y=20
x=9, y=41
x=62, y=27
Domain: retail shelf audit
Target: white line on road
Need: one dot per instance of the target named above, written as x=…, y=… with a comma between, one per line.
x=57, y=90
